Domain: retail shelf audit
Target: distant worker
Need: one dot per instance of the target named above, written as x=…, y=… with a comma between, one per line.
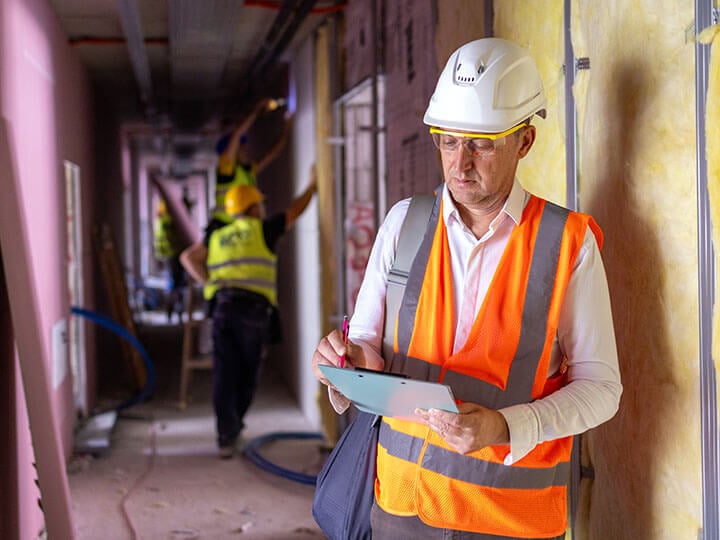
x=237, y=263
x=167, y=246
x=235, y=166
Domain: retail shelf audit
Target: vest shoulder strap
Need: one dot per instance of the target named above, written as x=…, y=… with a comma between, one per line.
x=409, y=240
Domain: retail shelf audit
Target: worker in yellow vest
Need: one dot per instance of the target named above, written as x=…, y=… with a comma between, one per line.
x=167, y=246
x=237, y=264
x=507, y=303
x=235, y=165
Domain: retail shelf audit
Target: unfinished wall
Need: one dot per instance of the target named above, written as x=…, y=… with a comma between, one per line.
x=637, y=158
x=458, y=22
x=357, y=42
x=412, y=67
x=411, y=72
x=542, y=171
x=44, y=120
x=636, y=140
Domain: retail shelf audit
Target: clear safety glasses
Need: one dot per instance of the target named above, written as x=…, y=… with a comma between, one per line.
x=478, y=144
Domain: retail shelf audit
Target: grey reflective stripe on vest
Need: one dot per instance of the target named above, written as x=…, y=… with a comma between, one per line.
x=543, y=269
x=256, y=261
x=468, y=469
x=406, y=312
x=416, y=219
x=541, y=282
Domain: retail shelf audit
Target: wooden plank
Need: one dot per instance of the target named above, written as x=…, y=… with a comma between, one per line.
x=118, y=294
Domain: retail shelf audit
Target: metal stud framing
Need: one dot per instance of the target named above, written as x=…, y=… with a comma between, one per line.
x=571, y=176
x=706, y=273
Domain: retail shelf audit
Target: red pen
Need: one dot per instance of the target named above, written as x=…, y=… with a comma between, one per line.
x=345, y=331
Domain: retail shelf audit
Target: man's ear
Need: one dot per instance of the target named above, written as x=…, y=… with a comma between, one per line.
x=527, y=139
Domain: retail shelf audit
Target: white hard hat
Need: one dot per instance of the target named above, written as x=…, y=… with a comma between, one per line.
x=488, y=86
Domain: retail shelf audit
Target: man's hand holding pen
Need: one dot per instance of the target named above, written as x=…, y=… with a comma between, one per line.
x=337, y=350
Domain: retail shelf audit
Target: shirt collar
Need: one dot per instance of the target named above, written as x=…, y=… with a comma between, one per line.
x=513, y=207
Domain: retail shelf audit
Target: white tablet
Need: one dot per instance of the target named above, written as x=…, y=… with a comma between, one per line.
x=389, y=394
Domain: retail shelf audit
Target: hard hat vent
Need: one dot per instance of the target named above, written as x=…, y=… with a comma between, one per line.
x=467, y=74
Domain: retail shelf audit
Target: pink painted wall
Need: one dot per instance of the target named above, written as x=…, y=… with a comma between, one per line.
x=45, y=110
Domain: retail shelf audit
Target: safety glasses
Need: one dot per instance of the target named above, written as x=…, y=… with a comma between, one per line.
x=478, y=144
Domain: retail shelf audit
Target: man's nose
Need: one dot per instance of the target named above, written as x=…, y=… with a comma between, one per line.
x=463, y=157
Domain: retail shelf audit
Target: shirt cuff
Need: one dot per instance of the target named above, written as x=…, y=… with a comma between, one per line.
x=339, y=402
x=524, y=430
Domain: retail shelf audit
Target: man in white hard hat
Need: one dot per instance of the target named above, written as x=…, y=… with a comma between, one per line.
x=507, y=303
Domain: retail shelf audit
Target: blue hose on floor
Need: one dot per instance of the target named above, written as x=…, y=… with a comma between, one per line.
x=252, y=454
x=149, y=388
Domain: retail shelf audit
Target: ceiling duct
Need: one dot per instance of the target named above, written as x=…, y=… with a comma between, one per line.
x=289, y=18
x=132, y=28
x=201, y=39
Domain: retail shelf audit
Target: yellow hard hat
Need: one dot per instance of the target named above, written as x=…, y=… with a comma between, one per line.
x=161, y=208
x=241, y=197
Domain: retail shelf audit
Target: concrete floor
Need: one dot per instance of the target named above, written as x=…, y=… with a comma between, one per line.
x=161, y=477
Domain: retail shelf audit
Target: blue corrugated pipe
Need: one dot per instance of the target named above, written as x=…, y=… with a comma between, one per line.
x=149, y=388
x=252, y=454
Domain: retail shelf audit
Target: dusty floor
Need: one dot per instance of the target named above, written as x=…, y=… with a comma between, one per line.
x=161, y=478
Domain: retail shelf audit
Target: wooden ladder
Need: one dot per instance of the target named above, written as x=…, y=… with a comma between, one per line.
x=192, y=358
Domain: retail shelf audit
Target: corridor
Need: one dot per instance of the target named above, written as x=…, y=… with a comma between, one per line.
x=161, y=477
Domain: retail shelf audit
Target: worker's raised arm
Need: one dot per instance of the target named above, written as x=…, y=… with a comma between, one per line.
x=275, y=150
x=194, y=260
x=299, y=205
x=228, y=156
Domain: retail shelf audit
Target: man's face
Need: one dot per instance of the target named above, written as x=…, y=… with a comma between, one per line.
x=484, y=182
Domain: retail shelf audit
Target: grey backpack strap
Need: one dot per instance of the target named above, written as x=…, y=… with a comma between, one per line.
x=411, y=235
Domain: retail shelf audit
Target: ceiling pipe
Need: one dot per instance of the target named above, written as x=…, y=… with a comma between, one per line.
x=130, y=22
x=291, y=15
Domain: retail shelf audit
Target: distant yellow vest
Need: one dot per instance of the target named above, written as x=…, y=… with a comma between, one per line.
x=243, y=177
x=504, y=362
x=238, y=257
x=164, y=240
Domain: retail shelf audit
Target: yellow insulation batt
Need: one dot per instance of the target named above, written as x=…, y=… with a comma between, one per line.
x=636, y=117
x=539, y=28
x=636, y=144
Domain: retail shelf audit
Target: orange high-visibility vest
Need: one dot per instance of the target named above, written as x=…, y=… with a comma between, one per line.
x=504, y=362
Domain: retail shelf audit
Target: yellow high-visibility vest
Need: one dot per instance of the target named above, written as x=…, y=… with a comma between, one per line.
x=238, y=257
x=165, y=239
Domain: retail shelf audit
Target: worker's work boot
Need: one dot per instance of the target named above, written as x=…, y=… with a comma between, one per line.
x=226, y=452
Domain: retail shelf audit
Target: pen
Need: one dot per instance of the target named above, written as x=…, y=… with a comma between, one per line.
x=345, y=330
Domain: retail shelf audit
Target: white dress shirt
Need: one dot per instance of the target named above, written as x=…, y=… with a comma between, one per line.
x=585, y=330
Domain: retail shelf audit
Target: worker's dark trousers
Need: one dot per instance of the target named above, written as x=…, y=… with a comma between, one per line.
x=241, y=321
